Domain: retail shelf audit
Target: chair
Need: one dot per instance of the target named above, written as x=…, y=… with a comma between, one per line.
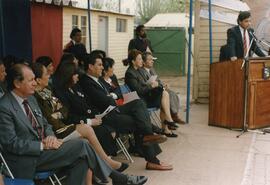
x=124, y=89
x=48, y=175
x=123, y=149
x=154, y=115
x=12, y=180
x=38, y=176
x=153, y=112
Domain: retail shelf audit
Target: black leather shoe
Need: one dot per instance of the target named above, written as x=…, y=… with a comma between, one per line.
x=133, y=180
x=169, y=123
x=171, y=134
x=123, y=167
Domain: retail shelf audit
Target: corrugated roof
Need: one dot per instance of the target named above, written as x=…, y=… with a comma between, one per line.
x=58, y=2
x=230, y=4
x=169, y=20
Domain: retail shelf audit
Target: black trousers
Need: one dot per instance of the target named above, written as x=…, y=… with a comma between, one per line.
x=133, y=117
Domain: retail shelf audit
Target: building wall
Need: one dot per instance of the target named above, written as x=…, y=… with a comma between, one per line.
x=117, y=41
x=201, y=48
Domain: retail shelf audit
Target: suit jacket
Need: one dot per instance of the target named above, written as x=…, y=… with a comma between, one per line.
x=97, y=96
x=78, y=109
x=78, y=50
x=136, y=81
x=235, y=43
x=21, y=145
x=113, y=87
x=146, y=75
x=140, y=44
x=57, y=117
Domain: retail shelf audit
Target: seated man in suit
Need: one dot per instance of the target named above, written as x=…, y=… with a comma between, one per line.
x=147, y=71
x=239, y=38
x=29, y=144
x=131, y=117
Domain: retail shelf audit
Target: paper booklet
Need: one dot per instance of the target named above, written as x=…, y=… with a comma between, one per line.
x=152, y=79
x=107, y=111
x=74, y=135
x=128, y=97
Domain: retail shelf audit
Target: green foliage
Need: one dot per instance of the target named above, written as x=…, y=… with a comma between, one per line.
x=149, y=8
x=96, y=4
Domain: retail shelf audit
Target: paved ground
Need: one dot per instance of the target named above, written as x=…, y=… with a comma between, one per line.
x=204, y=155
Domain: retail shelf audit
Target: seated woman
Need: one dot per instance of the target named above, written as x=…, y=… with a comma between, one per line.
x=153, y=94
x=56, y=115
x=109, y=80
x=147, y=71
x=48, y=63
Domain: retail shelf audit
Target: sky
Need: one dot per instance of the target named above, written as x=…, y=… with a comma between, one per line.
x=125, y=5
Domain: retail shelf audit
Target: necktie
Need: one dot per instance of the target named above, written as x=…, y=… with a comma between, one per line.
x=100, y=83
x=245, y=42
x=33, y=120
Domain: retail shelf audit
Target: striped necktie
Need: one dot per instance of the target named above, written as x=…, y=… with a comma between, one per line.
x=33, y=120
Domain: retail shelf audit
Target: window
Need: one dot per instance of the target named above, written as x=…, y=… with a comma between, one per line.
x=81, y=23
x=121, y=25
x=75, y=21
x=84, y=28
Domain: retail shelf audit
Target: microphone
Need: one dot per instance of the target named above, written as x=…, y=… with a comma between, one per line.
x=253, y=35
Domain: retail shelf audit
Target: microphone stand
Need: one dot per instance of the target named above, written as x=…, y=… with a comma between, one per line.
x=246, y=73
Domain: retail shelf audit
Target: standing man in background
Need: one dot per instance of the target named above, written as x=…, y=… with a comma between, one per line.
x=239, y=38
x=75, y=46
x=141, y=42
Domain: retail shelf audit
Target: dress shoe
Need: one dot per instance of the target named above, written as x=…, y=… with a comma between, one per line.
x=150, y=139
x=172, y=128
x=123, y=167
x=132, y=180
x=170, y=123
x=177, y=119
x=161, y=166
x=171, y=134
x=157, y=130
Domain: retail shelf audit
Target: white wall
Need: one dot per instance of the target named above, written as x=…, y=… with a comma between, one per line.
x=117, y=41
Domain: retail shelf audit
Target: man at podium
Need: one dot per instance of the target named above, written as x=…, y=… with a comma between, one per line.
x=240, y=38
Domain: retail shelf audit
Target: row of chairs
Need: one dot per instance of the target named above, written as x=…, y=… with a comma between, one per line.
x=155, y=119
x=121, y=142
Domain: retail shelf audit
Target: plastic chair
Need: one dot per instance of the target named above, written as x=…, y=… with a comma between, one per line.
x=11, y=180
x=48, y=175
x=38, y=176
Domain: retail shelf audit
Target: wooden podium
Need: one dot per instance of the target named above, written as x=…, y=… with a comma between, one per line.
x=227, y=90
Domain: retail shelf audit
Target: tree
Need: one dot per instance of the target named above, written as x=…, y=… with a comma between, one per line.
x=149, y=8
x=112, y=5
x=97, y=4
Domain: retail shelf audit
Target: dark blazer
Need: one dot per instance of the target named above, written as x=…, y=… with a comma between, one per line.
x=137, y=82
x=112, y=88
x=21, y=146
x=140, y=44
x=145, y=75
x=78, y=50
x=79, y=110
x=96, y=95
x=235, y=43
x=75, y=101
